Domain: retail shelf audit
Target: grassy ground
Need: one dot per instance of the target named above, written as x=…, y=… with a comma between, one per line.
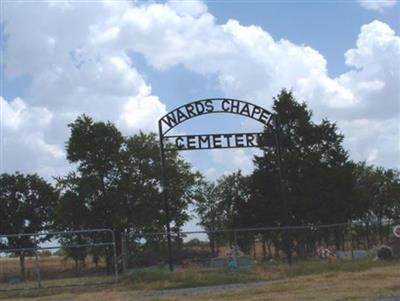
x=50, y=267
x=304, y=281
x=332, y=286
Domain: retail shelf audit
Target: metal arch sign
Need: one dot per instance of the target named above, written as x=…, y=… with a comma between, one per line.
x=211, y=141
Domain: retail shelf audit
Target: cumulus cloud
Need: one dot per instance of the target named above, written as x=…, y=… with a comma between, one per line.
x=78, y=55
x=377, y=5
x=70, y=76
x=23, y=143
x=374, y=79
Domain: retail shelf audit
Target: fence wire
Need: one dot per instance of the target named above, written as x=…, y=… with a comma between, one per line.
x=249, y=246
x=57, y=259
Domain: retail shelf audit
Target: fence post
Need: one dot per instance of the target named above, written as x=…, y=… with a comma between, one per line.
x=115, y=255
x=37, y=265
x=236, y=244
x=124, y=252
x=352, y=242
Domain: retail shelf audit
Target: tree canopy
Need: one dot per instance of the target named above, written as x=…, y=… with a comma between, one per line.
x=27, y=205
x=115, y=183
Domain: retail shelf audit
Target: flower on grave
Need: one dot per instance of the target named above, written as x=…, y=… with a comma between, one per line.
x=396, y=231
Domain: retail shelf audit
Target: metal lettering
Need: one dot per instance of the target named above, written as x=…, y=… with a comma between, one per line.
x=239, y=141
x=207, y=106
x=170, y=120
x=181, y=116
x=228, y=138
x=244, y=110
x=264, y=116
x=256, y=110
x=200, y=108
x=178, y=142
x=189, y=110
x=204, y=139
x=223, y=105
x=235, y=106
x=191, y=142
x=217, y=141
x=249, y=140
x=234, y=140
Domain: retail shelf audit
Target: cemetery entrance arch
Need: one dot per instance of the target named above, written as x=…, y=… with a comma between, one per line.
x=215, y=141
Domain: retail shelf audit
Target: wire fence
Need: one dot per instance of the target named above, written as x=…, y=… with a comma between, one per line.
x=57, y=259
x=87, y=257
x=249, y=246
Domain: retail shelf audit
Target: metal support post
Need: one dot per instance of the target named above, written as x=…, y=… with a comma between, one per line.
x=283, y=190
x=115, y=263
x=37, y=264
x=124, y=253
x=164, y=184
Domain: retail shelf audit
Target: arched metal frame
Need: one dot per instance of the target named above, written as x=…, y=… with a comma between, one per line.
x=212, y=141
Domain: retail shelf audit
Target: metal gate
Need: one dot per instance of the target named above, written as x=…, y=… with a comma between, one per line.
x=57, y=259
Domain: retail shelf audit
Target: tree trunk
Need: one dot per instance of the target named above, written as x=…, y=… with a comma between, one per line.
x=76, y=266
x=269, y=249
x=277, y=249
x=380, y=230
x=367, y=234
x=302, y=246
x=109, y=262
x=212, y=244
x=337, y=238
x=264, y=251
x=22, y=265
x=253, y=238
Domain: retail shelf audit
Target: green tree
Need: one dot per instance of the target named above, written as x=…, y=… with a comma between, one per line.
x=208, y=209
x=378, y=190
x=27, y=205
x=224, y=205
x=319, y=177
x=117, y=180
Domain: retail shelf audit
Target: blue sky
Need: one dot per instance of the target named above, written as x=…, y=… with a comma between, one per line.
x=328, y=26
x=141, y=59
x=331, y=27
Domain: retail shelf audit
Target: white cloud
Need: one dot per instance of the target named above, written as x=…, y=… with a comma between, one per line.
x=374, y=79
x=70, y=76
x=191, y=7
x=377, y=5
x=23, y=143
x=77, y=54
x=375, y=141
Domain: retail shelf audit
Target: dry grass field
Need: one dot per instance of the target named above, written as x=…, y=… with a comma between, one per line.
x=304, y=281
x=54, y=270
x=50, y=267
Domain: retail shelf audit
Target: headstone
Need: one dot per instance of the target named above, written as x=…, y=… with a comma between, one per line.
x=396, y=242
x=358, y=254
x=222, y=262
x=218, y=262
x=393, y=243
x=14, y=280
x=244, y=261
